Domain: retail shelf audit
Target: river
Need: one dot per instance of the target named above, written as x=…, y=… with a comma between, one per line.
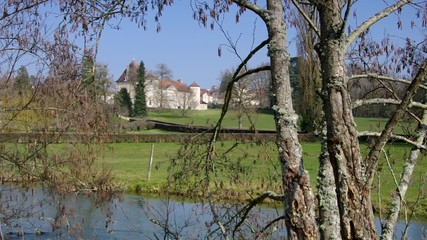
x=130, y=217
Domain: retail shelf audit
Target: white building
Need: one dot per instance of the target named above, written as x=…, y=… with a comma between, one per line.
x=163, y=93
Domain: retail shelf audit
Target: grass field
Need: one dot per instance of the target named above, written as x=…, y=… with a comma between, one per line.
x=209, y=117
x=130, y=165
x=262, y=120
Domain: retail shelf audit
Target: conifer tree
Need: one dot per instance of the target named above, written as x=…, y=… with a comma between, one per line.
x=22, y=81
x=124, y=101
x=140, y=105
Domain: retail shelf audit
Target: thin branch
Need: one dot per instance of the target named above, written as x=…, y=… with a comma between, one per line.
x=166, y=228
x=364, y=102
x=252, y=71
x=393, y=136
x=389, y=89
x=255, y=202
x=372, y=20
x=390, y=168
x=21, y=109
x=306, y=17
x=386, y=78
x=346, y=14
x=400, y=192
x=230, y=89
x=270, y=223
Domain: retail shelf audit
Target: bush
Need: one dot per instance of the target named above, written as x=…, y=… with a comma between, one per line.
x=137, y=125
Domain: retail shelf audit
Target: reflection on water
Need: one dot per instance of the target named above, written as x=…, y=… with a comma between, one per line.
x=131, y=217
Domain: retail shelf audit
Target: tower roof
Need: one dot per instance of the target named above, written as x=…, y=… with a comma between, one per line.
x=129, y=72
x=194, y=84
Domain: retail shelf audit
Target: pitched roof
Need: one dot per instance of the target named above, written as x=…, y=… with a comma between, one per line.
x=122, y=77
x=203, y=91
x=129, y=72
x=178, y=85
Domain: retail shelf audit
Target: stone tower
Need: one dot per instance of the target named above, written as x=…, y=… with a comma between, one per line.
x=195, y=95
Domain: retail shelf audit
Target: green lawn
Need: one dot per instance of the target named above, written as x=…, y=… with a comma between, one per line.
x=129, y=162
x=377, y=124
x=209, y=117
x=262, y=120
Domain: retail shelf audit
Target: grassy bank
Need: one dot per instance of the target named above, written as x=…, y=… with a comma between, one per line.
x=260, y=169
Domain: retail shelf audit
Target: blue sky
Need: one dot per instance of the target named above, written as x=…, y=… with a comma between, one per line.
x=187, y=48
x=190, y=50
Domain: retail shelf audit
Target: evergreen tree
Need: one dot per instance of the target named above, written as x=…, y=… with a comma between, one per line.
x=140, y=106
x=124, y=101
x=22, y=81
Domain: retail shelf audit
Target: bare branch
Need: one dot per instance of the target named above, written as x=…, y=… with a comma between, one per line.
x=255, y=202
x=399, y=196
x=385, y=78
x=271, y=223
x=25, y=108
x=393, y=136
x=306, y=17
x=166, y=228
x=372, y=20
x=364, y=102
x=373, y=156
x=262, y=13
x=346, y=14
x=252, y=71
x=230, y=85
x=390, y=168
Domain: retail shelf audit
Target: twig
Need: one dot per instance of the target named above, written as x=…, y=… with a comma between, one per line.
x=269, y=224
x=255, y=202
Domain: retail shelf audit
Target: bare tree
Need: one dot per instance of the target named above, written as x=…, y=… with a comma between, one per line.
x=248, y=93
x=163, y=71
x=308, y=71
x=57, y=101
x=260, y=84
x=353, y=176
x=298, y=198
x=186, y=102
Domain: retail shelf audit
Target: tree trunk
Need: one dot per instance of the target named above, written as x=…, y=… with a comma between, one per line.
x=299, y=201
x=329, y=218
x=354, y=200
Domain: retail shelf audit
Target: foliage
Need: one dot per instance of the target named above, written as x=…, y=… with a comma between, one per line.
x=95, y=77
x=140, y=104
x=24, y=112
x=124, y=102
x=102, y=82
x=21, y=82
x=308, y=102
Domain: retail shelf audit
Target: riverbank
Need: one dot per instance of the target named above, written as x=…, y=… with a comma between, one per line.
x=244, y=172
x=259, y=171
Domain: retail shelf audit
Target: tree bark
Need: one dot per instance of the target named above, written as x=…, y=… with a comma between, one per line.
x=329, y=218
x=299, y=201
x=354, y=200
